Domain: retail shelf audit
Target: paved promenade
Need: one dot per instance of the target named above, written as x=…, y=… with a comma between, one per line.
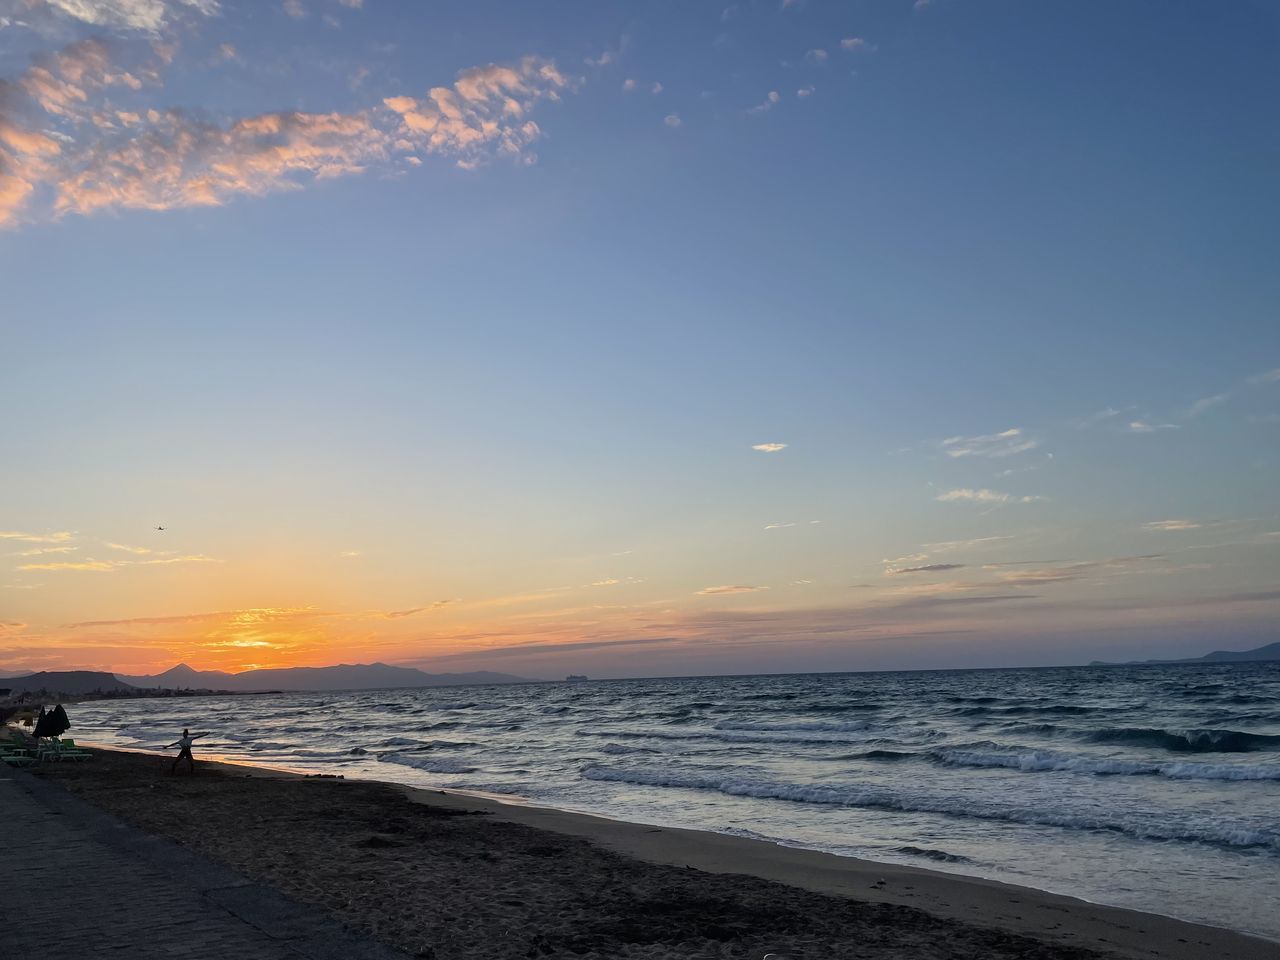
x=77, y=884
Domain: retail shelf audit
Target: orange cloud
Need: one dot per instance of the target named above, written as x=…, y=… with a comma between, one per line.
x=168, y=159
x=106, y=566
x=481, y=112
x=181, y=162
x=97, y=565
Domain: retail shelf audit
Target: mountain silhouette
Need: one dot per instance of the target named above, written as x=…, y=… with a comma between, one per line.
x=1270, y=651
x=343, y=676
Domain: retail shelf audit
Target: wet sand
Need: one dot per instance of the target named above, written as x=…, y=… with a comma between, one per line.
x=443, y=875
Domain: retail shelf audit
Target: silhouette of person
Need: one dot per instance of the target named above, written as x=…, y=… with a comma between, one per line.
x=184, y=742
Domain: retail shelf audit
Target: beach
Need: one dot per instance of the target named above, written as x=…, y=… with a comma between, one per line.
x=437, y=874
x=1033, y=778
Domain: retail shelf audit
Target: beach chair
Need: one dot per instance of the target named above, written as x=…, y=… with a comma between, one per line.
x=69, y=751
x=14, y=755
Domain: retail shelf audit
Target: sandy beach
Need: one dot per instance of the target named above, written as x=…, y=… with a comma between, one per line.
x=446, y=875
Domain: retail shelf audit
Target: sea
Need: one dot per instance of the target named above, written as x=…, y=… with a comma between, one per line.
x=1151, y=787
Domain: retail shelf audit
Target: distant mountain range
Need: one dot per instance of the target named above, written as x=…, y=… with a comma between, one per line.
x=67, y=682
x=343, y=676
x=1269, y=652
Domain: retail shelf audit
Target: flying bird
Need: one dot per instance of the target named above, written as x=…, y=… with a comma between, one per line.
x=159, y=528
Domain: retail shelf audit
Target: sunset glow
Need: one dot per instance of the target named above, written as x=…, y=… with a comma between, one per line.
x=634, y=340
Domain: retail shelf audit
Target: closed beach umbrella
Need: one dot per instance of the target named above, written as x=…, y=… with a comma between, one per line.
x=60, y=721
x=44, y=723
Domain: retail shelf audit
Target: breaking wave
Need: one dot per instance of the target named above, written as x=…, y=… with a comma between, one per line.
x=1187, y=741
x=1186, y=829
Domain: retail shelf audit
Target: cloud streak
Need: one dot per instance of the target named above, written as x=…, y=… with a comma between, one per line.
x=925, y=568
x=1170, y=525
x=107, y=566
x=1143, y=426
x=401, y=614
x=62, y=536
x=995, y=445
x=984, y=495
x=945, y=545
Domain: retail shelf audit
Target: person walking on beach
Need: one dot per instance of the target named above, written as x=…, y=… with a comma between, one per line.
x=184, y=742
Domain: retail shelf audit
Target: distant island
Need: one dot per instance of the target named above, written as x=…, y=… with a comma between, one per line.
x=1269, y=652
x=185, y=680
x=577, y=676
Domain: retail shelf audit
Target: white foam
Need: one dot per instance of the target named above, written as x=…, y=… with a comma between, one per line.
x=816, y=726
x=1036, y=761
x=1195, y=829
x=430, y=764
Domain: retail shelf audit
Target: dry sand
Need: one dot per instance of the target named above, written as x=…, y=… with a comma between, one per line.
x=448, y=876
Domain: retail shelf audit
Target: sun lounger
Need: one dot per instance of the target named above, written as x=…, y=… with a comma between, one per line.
x=69, y=751
x=14, y=755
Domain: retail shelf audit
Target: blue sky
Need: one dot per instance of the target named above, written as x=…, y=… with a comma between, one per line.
x=1000, y=276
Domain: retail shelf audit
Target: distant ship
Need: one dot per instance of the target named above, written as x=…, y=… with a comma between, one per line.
x=577, y=676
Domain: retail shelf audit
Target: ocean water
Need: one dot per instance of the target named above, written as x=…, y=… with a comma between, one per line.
x=1156, y=788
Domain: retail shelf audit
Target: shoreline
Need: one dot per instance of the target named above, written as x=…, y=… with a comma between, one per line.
x=1015, y=909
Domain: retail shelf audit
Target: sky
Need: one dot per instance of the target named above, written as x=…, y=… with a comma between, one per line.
x=637, y=338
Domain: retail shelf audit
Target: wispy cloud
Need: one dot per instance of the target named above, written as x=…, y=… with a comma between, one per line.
x=817, y=56
x=769, y=447
x=162, y=561
x=1271, y=376
x=1075, y=571
x=106, y=566
x=42, y=551
x=401, y=614
x=1107, y=413
x=1205, y=403
x=727, y=591
x=144, y=15
x=909, y=558
x=856, y=45
x=1143, y=426
x=61, y=536
x=1003, y=444
x=1172, y=525
x=673, y=120
x=946, y=545
x=984, y=495
x=58, y=565
x=127, y=549
x=763, y=107
x=925, y=568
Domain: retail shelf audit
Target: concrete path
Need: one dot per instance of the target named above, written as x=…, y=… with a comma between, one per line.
x=77, y=884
